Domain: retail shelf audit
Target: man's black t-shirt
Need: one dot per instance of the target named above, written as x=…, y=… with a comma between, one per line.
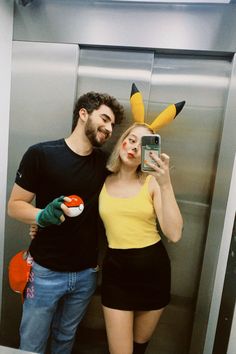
x=52, y=169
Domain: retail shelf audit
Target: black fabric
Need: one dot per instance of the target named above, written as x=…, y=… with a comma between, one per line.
x=140, y=348
x=52, y=169
x=136, y=279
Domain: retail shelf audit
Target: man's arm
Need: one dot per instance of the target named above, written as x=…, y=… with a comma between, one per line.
x=20, y=207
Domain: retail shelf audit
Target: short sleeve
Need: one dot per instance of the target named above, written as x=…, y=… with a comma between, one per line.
x=28, y=173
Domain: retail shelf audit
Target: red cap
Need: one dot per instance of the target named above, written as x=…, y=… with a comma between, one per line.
x=18, y=272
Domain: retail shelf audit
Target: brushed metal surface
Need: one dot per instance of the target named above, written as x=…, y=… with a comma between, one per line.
x=44, y=74
x=192, y=140
x=6, y=30
x=114, y=71
x=205, y=317
x=208, y=27
x=42, y=98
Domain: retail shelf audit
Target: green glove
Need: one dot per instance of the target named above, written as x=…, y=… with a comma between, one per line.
x=51, y=214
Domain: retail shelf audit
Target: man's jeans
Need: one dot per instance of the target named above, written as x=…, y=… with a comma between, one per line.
x=54, y=301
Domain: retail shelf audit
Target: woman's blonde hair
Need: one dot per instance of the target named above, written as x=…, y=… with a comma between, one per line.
x=114, y=162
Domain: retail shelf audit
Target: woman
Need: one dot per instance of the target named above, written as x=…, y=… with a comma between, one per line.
x=136, y=270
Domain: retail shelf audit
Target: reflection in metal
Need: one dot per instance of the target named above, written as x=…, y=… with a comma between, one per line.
x=192, y=141
x=211, y=281
x=188, y=29
x=24, y=2
x=225, y=319
x=200, y=27
x=46, y=73
x=42, y=98
x=120, y=69
x=222, y=321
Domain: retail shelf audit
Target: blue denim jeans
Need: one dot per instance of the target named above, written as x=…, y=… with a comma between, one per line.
x=55, y=303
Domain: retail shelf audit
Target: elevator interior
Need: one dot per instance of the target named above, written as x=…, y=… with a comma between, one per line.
x=48, y=76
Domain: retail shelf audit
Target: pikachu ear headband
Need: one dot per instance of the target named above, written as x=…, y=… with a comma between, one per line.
x=164, y=118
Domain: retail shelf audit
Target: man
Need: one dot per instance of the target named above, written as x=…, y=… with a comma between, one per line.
x=63, y=276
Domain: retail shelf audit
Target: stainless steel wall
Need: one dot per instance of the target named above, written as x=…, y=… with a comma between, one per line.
x=6, y=30
x=192, y=141
x=170, y=51
x=208, y=27
x=42, y=97
x=207, y=309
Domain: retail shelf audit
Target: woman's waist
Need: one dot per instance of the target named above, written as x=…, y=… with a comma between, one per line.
x=129, y=241
x=133, y=250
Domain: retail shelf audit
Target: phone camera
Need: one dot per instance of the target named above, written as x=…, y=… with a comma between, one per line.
x=156, y=140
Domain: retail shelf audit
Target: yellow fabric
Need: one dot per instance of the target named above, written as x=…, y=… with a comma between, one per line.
x=129, y=222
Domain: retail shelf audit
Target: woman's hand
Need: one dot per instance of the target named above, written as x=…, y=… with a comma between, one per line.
x=161, y=168
x=33, y=231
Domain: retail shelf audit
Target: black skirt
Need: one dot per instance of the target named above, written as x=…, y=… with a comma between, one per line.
x=136, y=279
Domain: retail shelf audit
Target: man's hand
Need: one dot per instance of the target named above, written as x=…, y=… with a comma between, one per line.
x=52, y=214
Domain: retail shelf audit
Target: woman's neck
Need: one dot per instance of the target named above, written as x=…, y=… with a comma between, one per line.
x=127, y=174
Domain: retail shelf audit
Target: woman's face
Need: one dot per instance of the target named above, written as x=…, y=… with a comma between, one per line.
x=130, y=150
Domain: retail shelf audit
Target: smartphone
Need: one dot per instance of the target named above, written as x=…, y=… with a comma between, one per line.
x=149, y=143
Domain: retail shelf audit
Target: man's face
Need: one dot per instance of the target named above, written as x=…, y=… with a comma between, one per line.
x=99, y=125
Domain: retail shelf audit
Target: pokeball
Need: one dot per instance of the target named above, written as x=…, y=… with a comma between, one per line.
x=76, y=206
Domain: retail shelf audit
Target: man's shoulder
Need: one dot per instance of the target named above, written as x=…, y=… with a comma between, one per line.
x=47, y=145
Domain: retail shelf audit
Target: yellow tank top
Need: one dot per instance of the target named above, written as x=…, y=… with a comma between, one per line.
x=129, y=222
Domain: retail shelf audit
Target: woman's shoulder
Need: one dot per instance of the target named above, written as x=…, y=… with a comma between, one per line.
x=147, y=179
x=110, y=179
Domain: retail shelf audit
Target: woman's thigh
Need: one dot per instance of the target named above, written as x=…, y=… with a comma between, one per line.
x=145, y=323
x=119, y=327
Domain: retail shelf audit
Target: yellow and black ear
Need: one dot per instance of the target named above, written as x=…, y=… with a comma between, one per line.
x=137, y=106
x=166, y=116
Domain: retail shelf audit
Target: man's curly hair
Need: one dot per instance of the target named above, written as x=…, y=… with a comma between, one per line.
x=92, y=101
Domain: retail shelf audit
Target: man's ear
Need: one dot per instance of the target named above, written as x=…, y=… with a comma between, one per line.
x=83, y=114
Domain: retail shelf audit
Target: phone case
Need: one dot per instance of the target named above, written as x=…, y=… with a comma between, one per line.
x=149, y=143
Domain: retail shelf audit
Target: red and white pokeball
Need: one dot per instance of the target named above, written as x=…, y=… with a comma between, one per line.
x=76, y=205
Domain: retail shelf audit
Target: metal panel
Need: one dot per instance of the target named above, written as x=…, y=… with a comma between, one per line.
x=232, y=338
x=208, y=27
x=205, y=320
x=42, y=98
x=114, y=71
x=42, y=75
x=226, y=313
x=6, y=30
x=192, y=141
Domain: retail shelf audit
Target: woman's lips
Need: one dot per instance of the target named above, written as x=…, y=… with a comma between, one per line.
x=130, y=155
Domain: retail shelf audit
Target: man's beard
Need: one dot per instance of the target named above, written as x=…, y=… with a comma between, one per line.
x=91, y=134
